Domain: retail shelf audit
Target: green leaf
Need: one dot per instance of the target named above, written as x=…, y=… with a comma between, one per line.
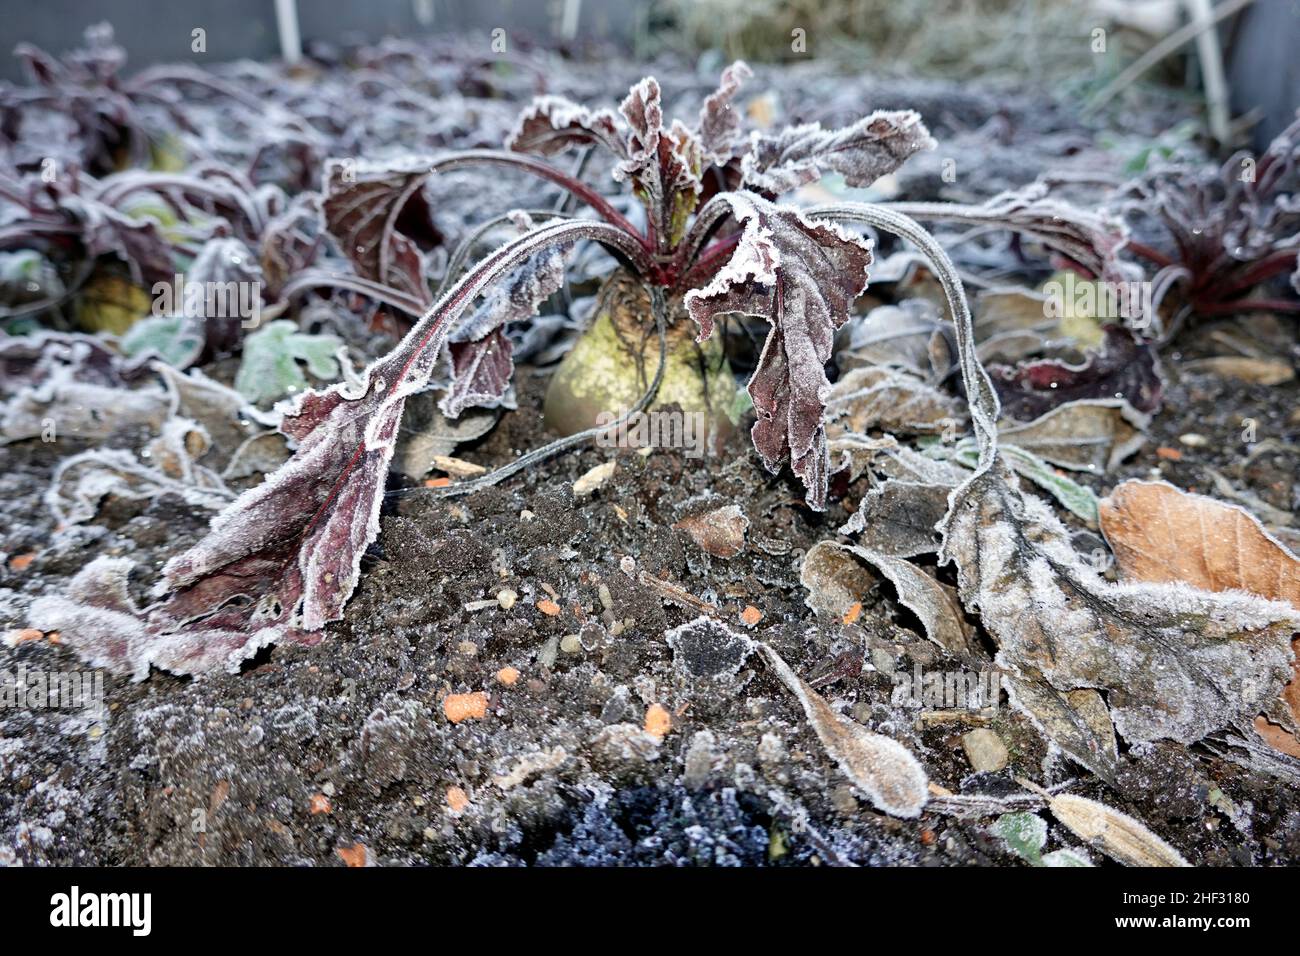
x=175, y=339
x=1065, y=858
x=1071, y=495
x=1024, y=834
x=270, y=368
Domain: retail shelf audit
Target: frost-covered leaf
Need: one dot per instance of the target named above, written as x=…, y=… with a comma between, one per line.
x=925, y=597
x=1116, y=834
x=909, y=336
x=553, y=124
x=873, y=398
x=269, y=369
x=1025, y=834
x=362, y=206
x=284, y=557
x=1075, y=721
x=1175, y=662
x=1065, y=857
x=64, y=406
x=801, y=277
x=874, y=146
x=1076, y=498
x=482, y=367
x=175, y=339
x=719, y=123
x=664, y=163
x=899, y=518
x=1126, y=368
x=82, y=481
x=1086, y=435
x=1162, y=534
x=879, y=766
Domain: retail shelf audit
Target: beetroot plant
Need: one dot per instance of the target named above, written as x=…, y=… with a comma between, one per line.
x=283, y=558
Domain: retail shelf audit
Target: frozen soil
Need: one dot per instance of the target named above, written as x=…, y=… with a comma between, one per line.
x=239, y=768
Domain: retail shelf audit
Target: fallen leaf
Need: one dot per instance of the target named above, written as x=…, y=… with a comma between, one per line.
x=900, y=517
x=1175, y=662
x=1160, y=533
x=1116, y=834
x=879, y=766
x=923, y=596
x=874, y=398
x=1126, y=367
x=1086, y=435
x=720, y=532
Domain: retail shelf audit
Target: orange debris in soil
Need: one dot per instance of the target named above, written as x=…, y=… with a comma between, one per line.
x=20, y=562
x=548, y=607
x=457, y=799
x=1169, y=454
x=460, y=707
x=657, y=721
x=853, y=613
x=437, y=482
x=508, y=676
x=751, y=615
x=320, y=804
x=353, y=855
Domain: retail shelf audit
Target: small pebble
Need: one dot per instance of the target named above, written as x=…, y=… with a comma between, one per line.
x=985, y=750
x=571, y=644
x=506, y=598
x=1193, y=440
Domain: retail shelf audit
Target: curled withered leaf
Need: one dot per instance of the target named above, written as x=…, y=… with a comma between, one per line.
x=1126, y=367
x=664, y=163
x=1116, y=834
x=1159, y=533
x=1175, y=662
x=801, y=276
x=874, y=146
x=553, y=124
x=923, y=596
x=879, y=766
x=900, y=517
